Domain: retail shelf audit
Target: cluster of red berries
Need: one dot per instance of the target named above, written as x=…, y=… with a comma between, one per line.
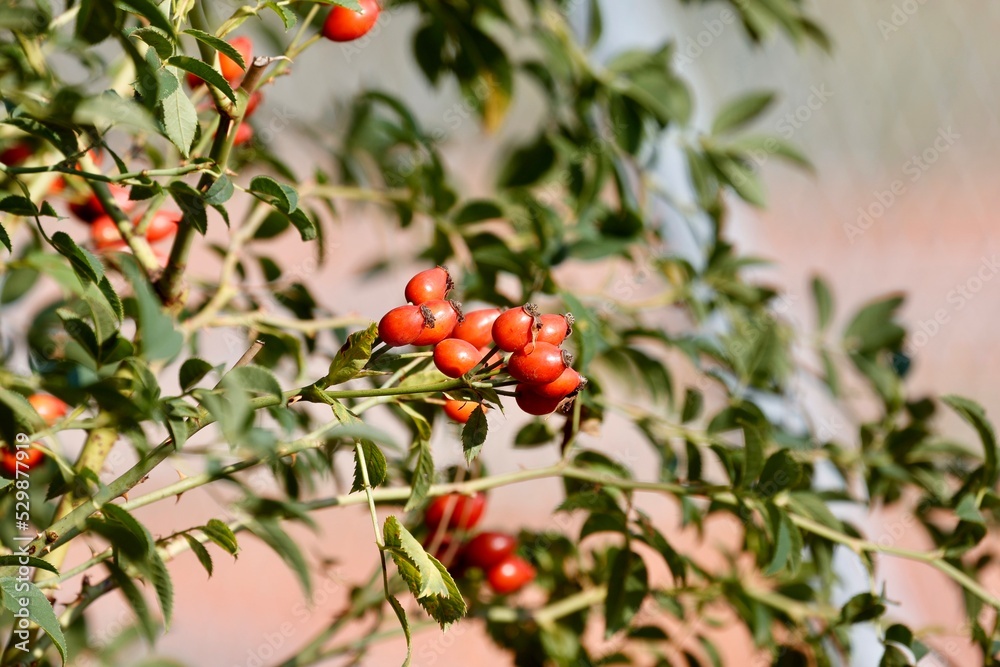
x=50, y=409
x=464, y=341
x=491, y=552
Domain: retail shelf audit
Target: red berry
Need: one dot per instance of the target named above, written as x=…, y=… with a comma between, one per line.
x=30, y=458
x=345, y=25
x=510, y=575
x=16, y=154
x=105, y=235
x=477, y=328
x=229, y=67
x=512, y=329
x=465, y=511
x=48, y=407
x=440, y=318
x=455, y=357
x=91, y=208
x=163, y=224
x=244, y=133
x=488, y=549
x=538, y=363
x=533, y=403
x=564, y=385
x=460, y=411
x=555, y=328
x=253, y=103
x=401, y=326
x=430, y=285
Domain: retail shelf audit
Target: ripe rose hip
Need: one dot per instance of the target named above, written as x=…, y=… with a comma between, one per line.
x=430, y=285
x=538, y=363
x=30, y=458
x=532, y=403
x=455, y=357
x=555, y=328
x=564, y=385
x=440, y=318
x=253, y=103
x=461, y=411
x=512, y=329
x=48, y=407
x=91, y=208
x=231, y=71
x=244, y=133
x=477, y=328
x=163, y=224
x=105, y=235
x=345, y=25
x=512, y=574
x=486, y=550
x=466, y=511
x=401, y=325
x=16, y=154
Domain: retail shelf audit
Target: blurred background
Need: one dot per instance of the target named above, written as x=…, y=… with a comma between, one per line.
x=901, y=124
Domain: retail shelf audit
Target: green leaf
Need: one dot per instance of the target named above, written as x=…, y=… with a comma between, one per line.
x=86, y=266
x=220, y=191
x=754, y=443
x=201, y=552
x=287, y=16
x=192, y=371
x=405, y=624
x=19, y=595
x=403, y=545
x=180, y=120
x=693, y=403
x=474, y=434
x=478, y=210
x=862, y=608
x=255, y=380
x=375, y=463
x=423, y=474
x=17, y=205
x=628, y=585
x=780, y=472
x=874, y=328
x=158, y=339
x=974, y=414
x=426, y=577
x=281, y=196
x=148, y=10
x=220, y=45
x=120, y=516
x=741, y=111
x=164, y=587
x=740, y=176
x=21, y=409
x=305, y=224
x=5, y=240
x=352, y=356
x=18, y=560
x=222, y=535
x=156, y=38
x=528, y=164
x=135, y=599
x=534, y=434
x=824, y=302
x=781, y=528
x=208, y=74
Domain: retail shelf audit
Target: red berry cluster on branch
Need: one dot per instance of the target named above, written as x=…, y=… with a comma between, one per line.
x=464, y=342
x=491, y=552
